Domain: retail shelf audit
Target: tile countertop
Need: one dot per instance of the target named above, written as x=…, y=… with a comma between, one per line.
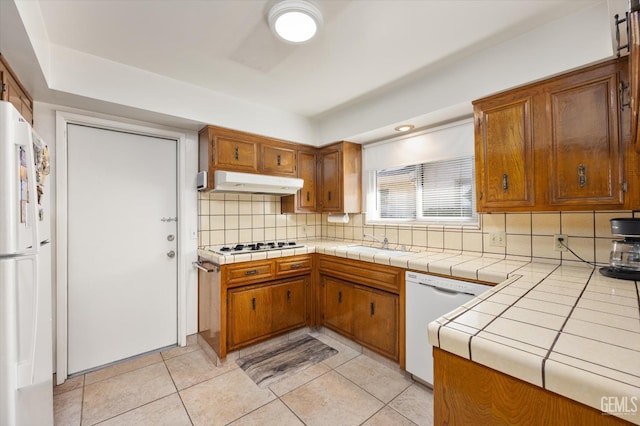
x=567, y=329
x=490, y=268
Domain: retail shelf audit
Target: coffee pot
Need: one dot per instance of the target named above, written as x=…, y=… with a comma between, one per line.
x=624, y=259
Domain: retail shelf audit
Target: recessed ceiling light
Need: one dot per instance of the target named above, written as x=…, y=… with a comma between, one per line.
x=295, y=21
x=404, y=128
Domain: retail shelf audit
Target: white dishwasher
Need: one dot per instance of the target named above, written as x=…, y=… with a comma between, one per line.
x=428, y=297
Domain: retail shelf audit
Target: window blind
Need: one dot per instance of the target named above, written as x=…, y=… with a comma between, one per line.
x=441, y=191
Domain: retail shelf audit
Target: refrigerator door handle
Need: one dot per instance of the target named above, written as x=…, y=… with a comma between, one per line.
x=26, y=140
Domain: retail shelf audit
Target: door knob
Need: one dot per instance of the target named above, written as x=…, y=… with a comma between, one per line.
x=171, y=254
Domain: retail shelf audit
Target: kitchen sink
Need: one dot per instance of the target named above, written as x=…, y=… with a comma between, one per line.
x=377, y=251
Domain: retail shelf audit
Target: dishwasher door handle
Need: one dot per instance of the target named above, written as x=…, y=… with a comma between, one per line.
x=443, y=290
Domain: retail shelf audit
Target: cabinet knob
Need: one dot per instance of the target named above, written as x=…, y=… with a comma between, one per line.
x=288, y=296
x=505, y=182
x=253, y=303
x=278, y=160
x=339, y=297
x=236, y=153
x=372, y=308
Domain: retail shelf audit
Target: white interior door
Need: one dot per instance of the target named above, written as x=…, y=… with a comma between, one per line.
x=122, y=283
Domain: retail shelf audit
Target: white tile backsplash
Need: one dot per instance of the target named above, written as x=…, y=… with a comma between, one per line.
x=232, y=218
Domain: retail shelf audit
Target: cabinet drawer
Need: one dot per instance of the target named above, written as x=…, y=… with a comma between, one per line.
x=293, y=265
x=386, y=278
x=246, y=273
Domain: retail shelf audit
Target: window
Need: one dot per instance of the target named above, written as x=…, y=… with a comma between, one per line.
x=435, y=192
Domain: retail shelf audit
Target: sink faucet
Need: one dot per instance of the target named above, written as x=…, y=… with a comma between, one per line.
x=385, y=242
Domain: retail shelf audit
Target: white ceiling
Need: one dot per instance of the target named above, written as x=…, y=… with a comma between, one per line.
x=376, y=64
x=225, y=46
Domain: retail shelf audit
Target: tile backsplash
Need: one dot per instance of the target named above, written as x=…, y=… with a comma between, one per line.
x=240, y=218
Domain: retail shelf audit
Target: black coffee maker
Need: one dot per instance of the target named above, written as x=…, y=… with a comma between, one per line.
x=624, y=260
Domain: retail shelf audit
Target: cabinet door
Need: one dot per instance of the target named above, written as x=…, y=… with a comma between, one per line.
x=249, y=313
x=585, y=154
x=278, y=160
x=504, y=153
x=331, y=181
x=338, y=305
x=236, y=154
x=307, y=168
x=376, y=320
x=289, y=304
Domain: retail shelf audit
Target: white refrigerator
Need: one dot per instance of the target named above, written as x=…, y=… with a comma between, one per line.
x=26, y=382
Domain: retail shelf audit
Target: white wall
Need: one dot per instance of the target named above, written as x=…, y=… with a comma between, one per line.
x=45, y=125
x=567, y=43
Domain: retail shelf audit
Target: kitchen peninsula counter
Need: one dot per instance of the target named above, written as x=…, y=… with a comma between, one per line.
x=564, y=328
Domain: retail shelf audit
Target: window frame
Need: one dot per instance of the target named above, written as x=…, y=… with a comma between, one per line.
x=373, y=215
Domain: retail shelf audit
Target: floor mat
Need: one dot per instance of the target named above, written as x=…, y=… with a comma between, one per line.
x=274, y=364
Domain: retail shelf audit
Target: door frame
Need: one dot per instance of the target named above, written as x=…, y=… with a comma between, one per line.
x=64, y=118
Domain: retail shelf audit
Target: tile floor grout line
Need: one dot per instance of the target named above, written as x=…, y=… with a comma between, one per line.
x=178, y=391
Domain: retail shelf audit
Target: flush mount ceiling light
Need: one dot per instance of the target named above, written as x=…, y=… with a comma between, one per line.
x=404, y=128
x=295, y=21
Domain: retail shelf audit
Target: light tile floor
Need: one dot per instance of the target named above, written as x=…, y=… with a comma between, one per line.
x=182, y=386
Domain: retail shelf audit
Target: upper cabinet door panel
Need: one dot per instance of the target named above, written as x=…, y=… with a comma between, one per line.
x=585, y=145
x=307, y=171
x=236, y=154
x=331, y=182
x=505, y=155
x=278, y=160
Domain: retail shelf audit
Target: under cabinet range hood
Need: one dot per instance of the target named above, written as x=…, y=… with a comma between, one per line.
x=224, y=181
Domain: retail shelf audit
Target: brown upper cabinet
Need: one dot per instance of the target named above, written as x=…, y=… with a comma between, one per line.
x=232, y=150
x=504, y=152
x=340, y=178
x=11, y=90
x=332, y=180
x=332, y=175
x=305, y=201
x=554, y=145
x=278, y=160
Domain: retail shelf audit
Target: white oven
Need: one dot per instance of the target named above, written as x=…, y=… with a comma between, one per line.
x=428, y=297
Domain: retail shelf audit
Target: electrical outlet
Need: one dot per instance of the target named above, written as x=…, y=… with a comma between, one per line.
x=497, y=239
x=556, y=242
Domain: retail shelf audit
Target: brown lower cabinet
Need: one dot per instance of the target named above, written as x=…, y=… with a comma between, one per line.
x=368, y=316
x=467, y=393
x=363, y=302
x=259, y=311
x=244, y=303
x=240, y=304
